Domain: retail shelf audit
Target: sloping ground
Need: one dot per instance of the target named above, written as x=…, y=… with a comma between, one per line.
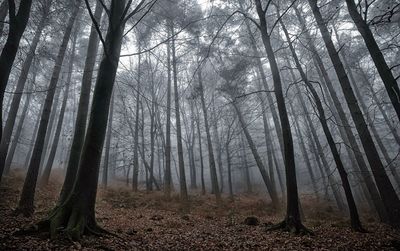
x=145, y=221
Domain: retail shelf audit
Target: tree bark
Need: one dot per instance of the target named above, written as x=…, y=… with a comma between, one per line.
x=25, y=205
x=385, y=188
x=384, y=71
x=16, y=100
x=83, y=107
x=17, y=25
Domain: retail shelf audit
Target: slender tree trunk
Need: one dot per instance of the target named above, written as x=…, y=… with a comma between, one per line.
x=183, y=188
x=108, y=144
x=211, y=159
x=355, y=220
x=245, y=165
x=25, y=205
x=193, y=178
x=16, y=99
x=218, y=145
x=386, y=190
x=292, y=220
x=266, y=178
x=17, y=135
x=229, y=165
x=34, y=134
x=384, y=71
x=341, y=117
x=135, y=177
x=17, y=25
x=168, y=173
x=3, y=15
x=304, y=150
x=203, y=187
x=46, y=173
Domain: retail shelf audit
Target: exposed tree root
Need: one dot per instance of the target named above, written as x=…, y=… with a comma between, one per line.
x=24, y=211
x=292, y=226
x=71, y=222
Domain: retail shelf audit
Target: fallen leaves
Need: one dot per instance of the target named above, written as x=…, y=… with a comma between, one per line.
x=146, y=221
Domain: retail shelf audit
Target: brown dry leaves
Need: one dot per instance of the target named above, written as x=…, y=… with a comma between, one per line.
x=146, y=221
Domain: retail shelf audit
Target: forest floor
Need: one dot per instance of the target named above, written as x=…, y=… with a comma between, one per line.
x=146, y=221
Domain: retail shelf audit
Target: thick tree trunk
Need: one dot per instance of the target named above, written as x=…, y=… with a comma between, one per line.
x=245, y=165
x=386, y=190
x=34, y=134
x=77, y=213
x=384, y=71
x=229, y=166
x=17, y=25
x=83, y=107
x=25, y=205
x=16, y=99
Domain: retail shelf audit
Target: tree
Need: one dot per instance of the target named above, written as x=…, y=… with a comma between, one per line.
x=384, y=70
x=292, y=221
x=386, y=190
x=25, y=204
x=77, y=214
x=18, y=22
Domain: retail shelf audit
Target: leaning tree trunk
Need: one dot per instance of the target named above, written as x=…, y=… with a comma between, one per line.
x=17, y=25
x=25, y=205
x=355, y=220
x=77, y=214
x=341, y=116
x=3, y=15
x=386, y=190
x=384, y=70
x=83, y=107
x=292, y=220
x=47, y=170
x=266, y=178
x=12, y=114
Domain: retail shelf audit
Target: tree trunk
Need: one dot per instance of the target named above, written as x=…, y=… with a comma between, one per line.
x=77, y=213
x=211, y=159
x=386, y=190
x=46, y=174
x=203, y=187
x=384, y=71
x=292, y=220
x=168, y=173
x=229, y=165
x=108, y=144
x=83, y=107
x=17, y=25
x=341, y=117
x=17, y=135
x=25, y=205
x=267, y=181
x=3, y=15
x=355, y=220
x=16, y=100
x=183, y=188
